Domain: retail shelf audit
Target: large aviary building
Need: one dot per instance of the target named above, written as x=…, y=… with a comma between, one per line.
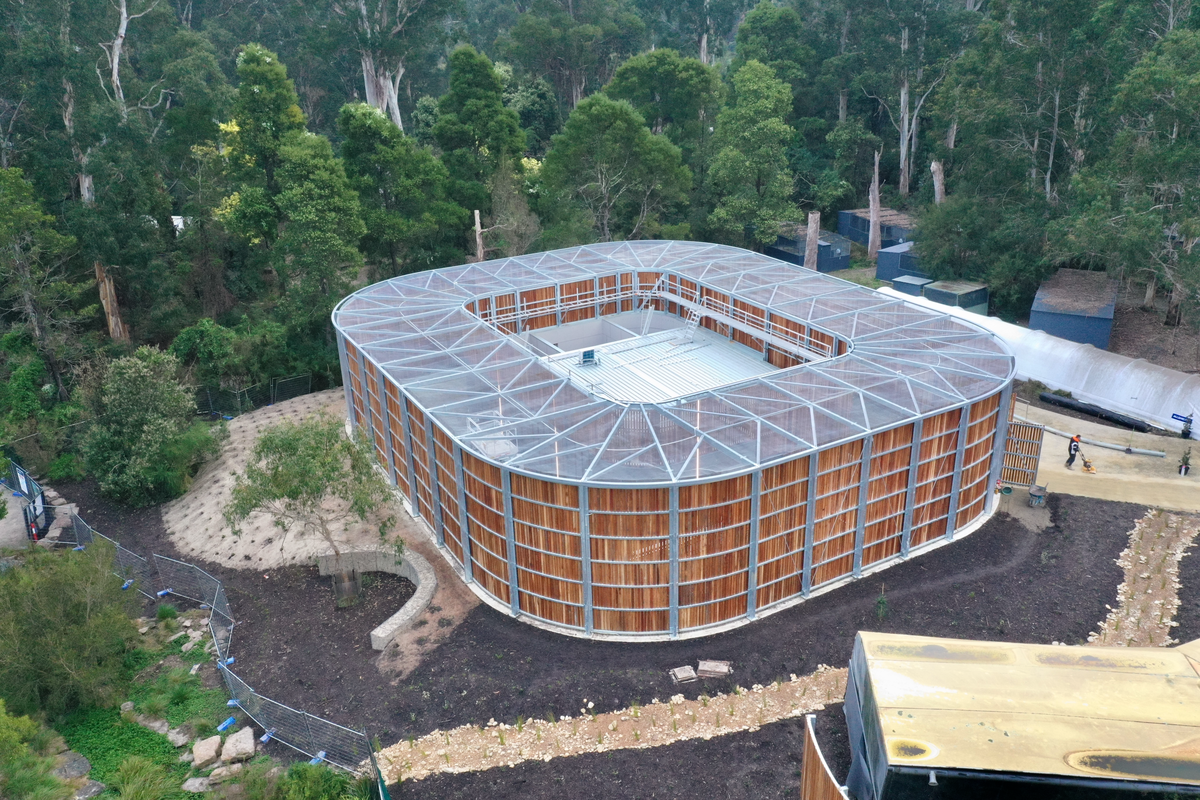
x=660, y=439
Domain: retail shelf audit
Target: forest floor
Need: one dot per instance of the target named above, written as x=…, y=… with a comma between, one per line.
x=1141, y=334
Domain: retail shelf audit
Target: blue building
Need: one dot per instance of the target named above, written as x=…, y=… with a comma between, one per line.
x=898, y=260
x=833, y=251
x=1076, y=305
x=895, y=227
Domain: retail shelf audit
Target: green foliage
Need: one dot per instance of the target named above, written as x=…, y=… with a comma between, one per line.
x=66, y=468
x=773, y=35
x=66, y=631
x=165, y=611
x=623, y=174
x=143, y=446
x=139, y=778
x=106, y=740
x=403, y=190
x=474, y=129
x=265, y=112
x=297, y=469
x=749, y=174
x=675, y=95
x=24, y=774
x=178, y=697
x=312, y=782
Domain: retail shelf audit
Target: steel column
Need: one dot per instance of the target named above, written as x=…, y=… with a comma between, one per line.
x=596, y=296
x=674, y=558
x=434, y=493
x=860, y=533
x=585, y=550
x=464, y=524
x=343, y=359
x=414, y=499
x=999, y=446
x=964, y=422
x=911, y=493
x=810, y=522
x=752, y=588
x=557, y=303
x=510, y=535
x=366, y=398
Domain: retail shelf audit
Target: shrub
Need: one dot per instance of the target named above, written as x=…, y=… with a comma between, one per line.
x=144, y=445
x=65, y=468
x=313, y=782
x=24, y=775
x=139, y=778
x=67, y=632
x=166, y=611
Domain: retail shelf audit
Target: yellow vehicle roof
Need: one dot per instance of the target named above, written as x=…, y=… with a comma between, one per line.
x=1116, y=712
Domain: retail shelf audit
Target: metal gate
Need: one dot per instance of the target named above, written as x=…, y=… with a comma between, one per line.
x=1021, y=453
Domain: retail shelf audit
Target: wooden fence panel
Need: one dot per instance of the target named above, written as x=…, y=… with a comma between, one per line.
x=816, y=781
x=1022, y=451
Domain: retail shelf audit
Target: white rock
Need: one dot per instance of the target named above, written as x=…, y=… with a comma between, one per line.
x=127, y=707
x=188, y=647
x=195, y=668
x=221, y=774
x=177, y=737
x=206, y=752
x=187, y=623
x=176, y=636
x=144, y=630
x=239, y=746
x=156, y=725
x=195, y=785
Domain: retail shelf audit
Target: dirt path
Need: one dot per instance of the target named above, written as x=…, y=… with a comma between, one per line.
x=1148, y=480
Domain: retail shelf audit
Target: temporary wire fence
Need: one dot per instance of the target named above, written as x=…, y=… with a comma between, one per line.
x=234, y=402
x=159, y=577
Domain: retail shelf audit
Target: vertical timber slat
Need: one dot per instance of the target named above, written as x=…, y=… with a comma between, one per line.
x=464, y=524
x=810, y=524
x=585, y=549
x=674, y=559
x=999, y=445
x=752, y=592
x=434, y=483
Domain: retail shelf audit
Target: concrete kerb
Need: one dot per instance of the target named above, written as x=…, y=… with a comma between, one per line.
x=412, y=566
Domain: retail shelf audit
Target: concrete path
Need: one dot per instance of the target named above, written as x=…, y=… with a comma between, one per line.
x=1146, y=480
x=12, y=527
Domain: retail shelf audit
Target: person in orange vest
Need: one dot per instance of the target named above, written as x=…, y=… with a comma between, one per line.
x=1072, y=451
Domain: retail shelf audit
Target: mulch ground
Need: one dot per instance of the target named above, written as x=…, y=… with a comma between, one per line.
x=1188, y=614
x=1003, y=582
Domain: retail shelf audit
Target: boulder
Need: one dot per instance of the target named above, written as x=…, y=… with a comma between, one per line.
x=71, y=765
x=222, y=774
x=206, y=752
x=127, y=707
x=195, y=785
x=144, y=630
x=187, y=757
x=159, y=726
x=89, y=789
x=187, y=648
x=177, y=737
x=239, y=746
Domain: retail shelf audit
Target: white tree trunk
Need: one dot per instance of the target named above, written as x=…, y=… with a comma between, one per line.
x=115, y=49
x=939, y=182
x=875, y=236
x=905, y=135
x=478, y=237
x=381, y=86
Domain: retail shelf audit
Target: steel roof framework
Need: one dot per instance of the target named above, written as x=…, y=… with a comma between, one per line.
x=483, y=384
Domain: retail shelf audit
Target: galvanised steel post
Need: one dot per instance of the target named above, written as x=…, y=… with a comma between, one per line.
x=999, y=446
x=366, y=398
x=863, y=490
x=585, y=549
x=435, y=498
x=810, y=522
x=910, y=494
x=464, y=526
x=752, y=588
x=964, y=422
x=414, y=500
x=674, y=559
x=514, y=596
x=343, y=360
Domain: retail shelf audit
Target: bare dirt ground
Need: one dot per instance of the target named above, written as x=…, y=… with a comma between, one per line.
x=1141, y=334
x=196, y=523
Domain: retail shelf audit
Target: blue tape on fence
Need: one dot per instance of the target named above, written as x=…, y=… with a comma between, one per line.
x=229, y=661
x=233, y=703
x=78, y=548
x=226, y=725
x=164, y=592
x=127, y=584
x=320, y=757
x=266, y=737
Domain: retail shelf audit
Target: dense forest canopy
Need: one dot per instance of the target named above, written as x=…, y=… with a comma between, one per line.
x=210, y=177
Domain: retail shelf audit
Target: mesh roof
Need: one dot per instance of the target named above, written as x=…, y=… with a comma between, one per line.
x=499, y=400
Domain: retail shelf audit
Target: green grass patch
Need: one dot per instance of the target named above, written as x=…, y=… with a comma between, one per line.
x=105, y=739
x=178, y=697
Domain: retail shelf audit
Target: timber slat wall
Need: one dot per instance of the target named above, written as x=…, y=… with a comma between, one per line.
x=1022, y=451
x=816, y=781
x=633, y=533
